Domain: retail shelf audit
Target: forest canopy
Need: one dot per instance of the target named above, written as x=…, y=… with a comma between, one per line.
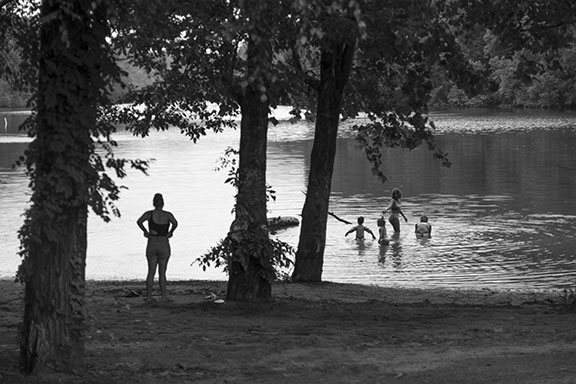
x=526, y=77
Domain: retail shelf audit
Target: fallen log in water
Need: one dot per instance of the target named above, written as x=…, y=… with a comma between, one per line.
x=281, y=222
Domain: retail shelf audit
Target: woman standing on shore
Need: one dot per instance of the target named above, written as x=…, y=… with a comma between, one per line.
x=395, y=209
x=161, y=226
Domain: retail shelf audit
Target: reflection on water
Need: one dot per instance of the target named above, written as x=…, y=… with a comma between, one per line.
x=503, y=215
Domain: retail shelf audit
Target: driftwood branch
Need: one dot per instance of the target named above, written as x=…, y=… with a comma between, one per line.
x=339, y=219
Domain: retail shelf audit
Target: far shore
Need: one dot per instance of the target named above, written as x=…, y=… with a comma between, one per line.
x=16, y=111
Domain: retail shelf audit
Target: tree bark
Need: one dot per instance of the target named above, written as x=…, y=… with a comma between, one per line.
x=250, y=270
x=54, y=235
x=53, y=327
x=335, y=66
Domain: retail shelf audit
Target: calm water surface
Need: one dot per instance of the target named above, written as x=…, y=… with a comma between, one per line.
x=503, y=216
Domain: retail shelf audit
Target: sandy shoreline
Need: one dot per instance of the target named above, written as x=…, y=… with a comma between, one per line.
x=312, y=333
x=361, y=292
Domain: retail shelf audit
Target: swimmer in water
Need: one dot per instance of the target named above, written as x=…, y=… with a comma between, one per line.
x=423, y=228
x=360, y=229
x=383, y=238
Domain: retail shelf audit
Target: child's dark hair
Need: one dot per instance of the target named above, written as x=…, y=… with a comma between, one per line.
x=360, y=219
x=380, y=222
x=424, y=218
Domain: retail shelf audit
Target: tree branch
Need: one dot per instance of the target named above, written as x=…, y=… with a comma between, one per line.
x=5, y=2
x=339, y=219
x=311, y=81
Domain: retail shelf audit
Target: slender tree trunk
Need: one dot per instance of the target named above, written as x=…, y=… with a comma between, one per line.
x=54, y=235
x=250, y=271
x=335, y=65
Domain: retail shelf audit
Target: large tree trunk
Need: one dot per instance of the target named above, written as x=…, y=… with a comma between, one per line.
x=335, y=65
x=54, y=235
x=53, y=328
x=250, y=271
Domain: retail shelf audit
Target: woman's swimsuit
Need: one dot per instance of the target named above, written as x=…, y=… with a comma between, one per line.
x=394, y=219
x=155, y=229
x=395, y=208
x=158, y=247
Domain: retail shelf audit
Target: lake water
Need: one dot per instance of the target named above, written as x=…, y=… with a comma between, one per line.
x=503, y=216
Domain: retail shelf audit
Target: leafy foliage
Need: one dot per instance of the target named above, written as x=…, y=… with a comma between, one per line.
x=21, y=31
x=405, y=43
x=281, y=262
x=190, y=53
x=528, y=44
x=393, y=130
x=522, y=47
x=229, y=162
x=18, y=39
x=10, y=98
x=63, y=161
x=221, y=254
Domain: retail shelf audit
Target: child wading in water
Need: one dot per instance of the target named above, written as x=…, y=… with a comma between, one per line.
x=360, y=229
x=383, y=239
x=423, y=228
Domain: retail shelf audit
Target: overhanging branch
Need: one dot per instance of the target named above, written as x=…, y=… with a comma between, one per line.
x=5, y=2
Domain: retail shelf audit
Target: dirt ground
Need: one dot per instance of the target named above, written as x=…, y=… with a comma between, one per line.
x=312, y=333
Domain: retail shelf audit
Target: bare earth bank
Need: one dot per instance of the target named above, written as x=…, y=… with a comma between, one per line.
x=311, y=333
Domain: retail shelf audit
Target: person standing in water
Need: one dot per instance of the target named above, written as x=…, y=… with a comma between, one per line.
x=161, y=226
x=395, y=209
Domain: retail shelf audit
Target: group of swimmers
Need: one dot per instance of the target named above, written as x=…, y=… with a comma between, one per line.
x=421, y=229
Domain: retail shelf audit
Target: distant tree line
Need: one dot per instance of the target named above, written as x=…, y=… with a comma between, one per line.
x=9, y=98
x=530, y=75
x=136, y=77
x=522, y=79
